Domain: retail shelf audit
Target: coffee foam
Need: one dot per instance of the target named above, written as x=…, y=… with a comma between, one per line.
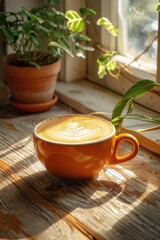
x=73, y=129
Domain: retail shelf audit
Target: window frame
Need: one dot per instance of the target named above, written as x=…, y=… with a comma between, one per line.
x=75, y=69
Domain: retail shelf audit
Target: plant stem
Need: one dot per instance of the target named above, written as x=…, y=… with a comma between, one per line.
x=148, y=129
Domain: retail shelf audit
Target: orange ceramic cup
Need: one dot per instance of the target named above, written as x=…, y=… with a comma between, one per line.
x=79, y=146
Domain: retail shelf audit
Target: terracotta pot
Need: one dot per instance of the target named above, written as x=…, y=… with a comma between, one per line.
x=30, y=84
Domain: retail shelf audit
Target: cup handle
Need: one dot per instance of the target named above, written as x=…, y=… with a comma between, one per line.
x=124, y=137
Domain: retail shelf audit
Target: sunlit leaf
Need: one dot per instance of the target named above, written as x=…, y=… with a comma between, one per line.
x=140, y=88
x=101, y=71
x=119, y=107
x=75, y=23
x=87, y=48
x=130, y=106
x=136, y=91
x=108, y=26
x=158, y=7
x=80, y=54
x=106, y=65
x=111, y=65
x=117, y=122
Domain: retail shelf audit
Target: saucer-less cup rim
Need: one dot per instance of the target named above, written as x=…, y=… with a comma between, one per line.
x=74, y=143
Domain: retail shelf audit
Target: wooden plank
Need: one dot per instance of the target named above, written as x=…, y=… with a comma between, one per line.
x=87, y=97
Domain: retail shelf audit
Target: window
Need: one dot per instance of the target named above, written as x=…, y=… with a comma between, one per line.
x=128, y=46
x=138, y=27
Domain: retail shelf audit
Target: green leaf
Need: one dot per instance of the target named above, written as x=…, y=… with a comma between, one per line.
x=158, y=7
x=87, y=11
x=136, y=91
x=108, y=26
x=130, y=106
x=58, y=34
x=61, y=46
x=42, y=29
x=31, y=16
x=87, y=48
x=34, y=64
x=84, y=37
x=75, y=23
x=27, y=26
x=117, y=122
x=8, y=34
x=119, y=107
x=81, y=48
x=51, y=23
x=106, y=64
x=102, y=58
x=101, y=71
x=80, y=53
x=111, y=65
x=35, y=41
x=140, y=88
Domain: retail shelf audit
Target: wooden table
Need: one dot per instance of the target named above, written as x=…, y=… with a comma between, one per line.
x=122, y=203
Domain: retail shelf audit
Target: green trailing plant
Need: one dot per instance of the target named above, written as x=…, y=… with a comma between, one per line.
x=107, y=65
x=127, y=103
x=40, y=36
x=76, y=23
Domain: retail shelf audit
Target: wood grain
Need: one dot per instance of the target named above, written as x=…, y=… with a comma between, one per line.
x=123, y=202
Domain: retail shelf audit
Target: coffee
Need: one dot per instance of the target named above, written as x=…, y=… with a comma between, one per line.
x=74, y=129
x=78, y=146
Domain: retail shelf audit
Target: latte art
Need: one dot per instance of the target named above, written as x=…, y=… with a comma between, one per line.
x=73, y=129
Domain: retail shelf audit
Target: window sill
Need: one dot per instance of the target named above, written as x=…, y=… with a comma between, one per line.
x=87, y=97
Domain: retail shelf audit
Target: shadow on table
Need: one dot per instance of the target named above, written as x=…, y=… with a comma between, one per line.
x=31, y=205
x=141, y=223
x=8, y=112
x=16, y=167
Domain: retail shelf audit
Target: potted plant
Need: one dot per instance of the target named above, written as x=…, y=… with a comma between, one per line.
x=39, y=37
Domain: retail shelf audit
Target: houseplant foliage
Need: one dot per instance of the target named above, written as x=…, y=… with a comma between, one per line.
x=107, y=65
x=76, y=23
x=39, y=37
